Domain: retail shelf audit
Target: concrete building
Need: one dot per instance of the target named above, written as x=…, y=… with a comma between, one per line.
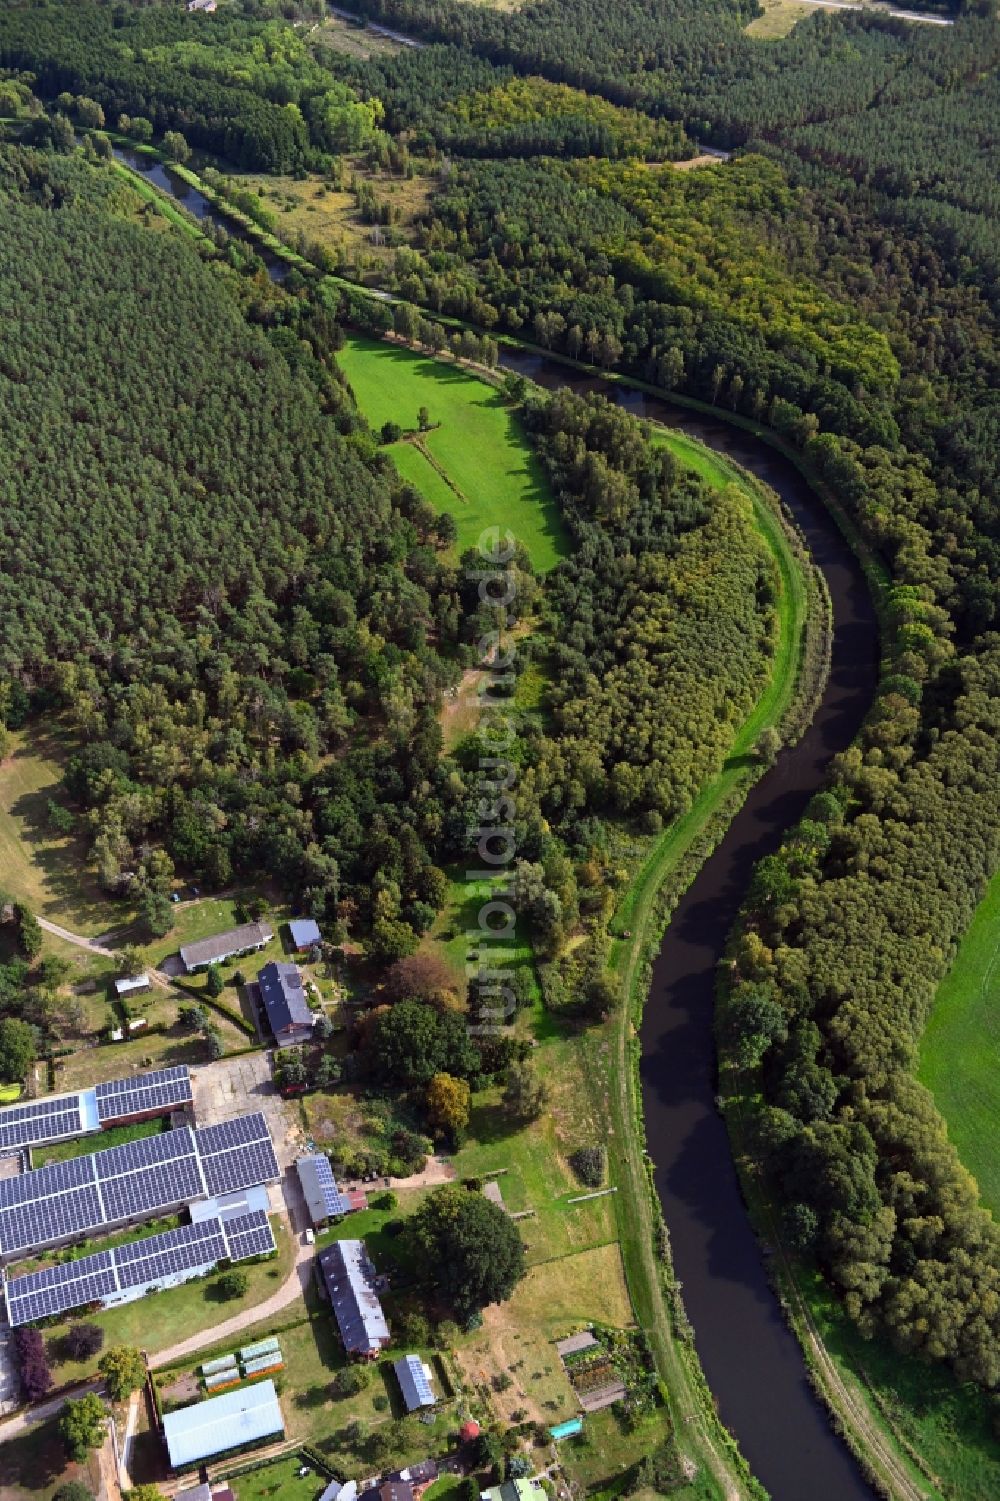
x=283, y=996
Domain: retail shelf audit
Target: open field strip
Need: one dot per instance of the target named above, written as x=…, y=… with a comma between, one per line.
x=475, y=440
x=960, y=1050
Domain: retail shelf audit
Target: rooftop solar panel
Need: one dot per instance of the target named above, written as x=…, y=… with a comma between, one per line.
x=45, y=1181
x=249, y=1235
x=147, y=1151
x=226, y=1135
x=35, y=1130
x=155, y=1076
x=162, y=1089
x=133, y=1181
x=133, y=1267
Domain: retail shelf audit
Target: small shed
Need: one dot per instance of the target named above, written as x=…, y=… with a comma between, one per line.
x=132, y=985
x=414, y=1382
x=304, y=933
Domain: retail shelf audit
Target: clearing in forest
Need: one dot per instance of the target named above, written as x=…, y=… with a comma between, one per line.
x=960, y=1051
x=483, y=469
x=778, y=19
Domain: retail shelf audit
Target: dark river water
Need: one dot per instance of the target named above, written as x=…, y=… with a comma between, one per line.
x=201, y=207
x=752, y=1361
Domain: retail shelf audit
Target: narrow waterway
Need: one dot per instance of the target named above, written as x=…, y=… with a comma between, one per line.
x=199, y=206
x=752, y=1361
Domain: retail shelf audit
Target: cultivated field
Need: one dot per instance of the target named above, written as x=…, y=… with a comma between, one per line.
x=960, y=1050
x=492, y=478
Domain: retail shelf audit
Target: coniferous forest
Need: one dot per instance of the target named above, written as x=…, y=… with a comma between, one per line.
x=249, y=620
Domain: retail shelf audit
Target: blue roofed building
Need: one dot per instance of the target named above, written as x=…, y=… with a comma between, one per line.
x=235, y=1420
x=304, y=934
x=283, y=997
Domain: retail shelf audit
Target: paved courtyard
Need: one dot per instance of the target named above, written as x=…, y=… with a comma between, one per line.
x=235, y=1086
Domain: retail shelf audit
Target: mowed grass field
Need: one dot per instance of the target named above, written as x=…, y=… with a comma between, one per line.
x=493, y=478
x=46, y=870
x=960, y=1051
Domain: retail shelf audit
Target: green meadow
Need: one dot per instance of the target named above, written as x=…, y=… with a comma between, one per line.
x=475, y=462
x=960, y=1051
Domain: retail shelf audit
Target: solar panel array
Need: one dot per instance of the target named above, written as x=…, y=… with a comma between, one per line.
x=413, y=1366
x=139, y=1265
x=42, y=1120
x=134, y=1181
x=334, y=1202
x=237, y=1154
x=163, y=1089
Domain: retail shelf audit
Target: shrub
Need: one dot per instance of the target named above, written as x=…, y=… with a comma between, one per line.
x=350, y=1380
x=33, y=1363
x=588, y=1165
x=81, y=1341
x=232, y=1284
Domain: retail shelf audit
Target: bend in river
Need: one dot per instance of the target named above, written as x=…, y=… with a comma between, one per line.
x=751, y=1359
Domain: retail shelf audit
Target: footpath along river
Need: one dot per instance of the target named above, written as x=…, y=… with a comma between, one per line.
x=752, y=1360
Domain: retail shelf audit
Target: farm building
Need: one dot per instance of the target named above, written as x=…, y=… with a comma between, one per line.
x=304, y=934
x=414, y=1382
x=324, y=1200
x=234, y=1420
x=116, y=1103
x=350, y=1281
x=247, y=939
x=283, y=996
x=132, y=985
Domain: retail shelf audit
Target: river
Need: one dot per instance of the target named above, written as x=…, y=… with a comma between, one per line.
x=751, y=1359
x=199, y=206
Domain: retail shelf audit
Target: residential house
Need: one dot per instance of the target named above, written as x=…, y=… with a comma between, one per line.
x=283, y=996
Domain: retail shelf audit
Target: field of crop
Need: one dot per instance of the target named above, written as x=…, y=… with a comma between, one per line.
x=475, y=440
x=960, y=1051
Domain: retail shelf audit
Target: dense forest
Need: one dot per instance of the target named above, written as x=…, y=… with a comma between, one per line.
x=208, y=577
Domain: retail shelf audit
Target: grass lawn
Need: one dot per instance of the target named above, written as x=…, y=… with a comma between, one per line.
x=48, y=871
x=281, y=1479
x=444, y=1485
x=352, y=40
x=33, y=1465
x=313, y=1353
x=80, y=1146
x=448, y=935
x=960, y=1049
x=330, y=217
x=477, y=442
x=9, y=1093
x=535, y=1174
x=162, y=1319
x=517, y=1337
